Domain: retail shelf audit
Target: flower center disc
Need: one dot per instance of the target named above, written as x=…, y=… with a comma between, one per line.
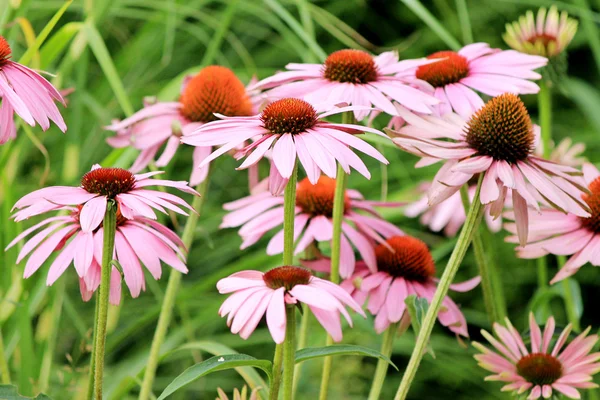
x=286, y=277
x=108, y=181
x=352, y=66
x=593, y=201
x=289, y=116
x=452, y=69
x=544, y=39
x=318, y=199
x=214, y=89
x=539, y=368
x=5, y=50
x=502, y=129
x=410, y=258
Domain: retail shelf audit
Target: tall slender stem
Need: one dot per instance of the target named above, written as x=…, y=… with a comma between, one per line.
x=90, y=388
x=465, y=22
x=301, y=343
x=277, y=369
x=462, y=244
x=289, y=352
x=382, y=365
x=545, y=109
x=166, y=310
x=4, y=370
x=289, y=206
x=570, y=307
x=110, y=227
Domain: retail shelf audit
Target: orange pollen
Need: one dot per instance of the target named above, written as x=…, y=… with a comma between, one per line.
x=214, y=89
x=544, y=38
x=540, y=368
x=108, y=181
x=352, y=66
x=289, y=116
x=5, y=50
x=286, y=277
x=593, y=201
x=406, y=257
x=452, y=69
x=317, y=199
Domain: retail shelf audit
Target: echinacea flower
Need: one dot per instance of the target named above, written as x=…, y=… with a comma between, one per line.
x=353, y=77
x=566, y=153
x=499, y=141
x=27, y=93
x=554, y=232
x=293, y=129
x=214, y=89
x=258, y=214
x=239, y=395
x=458, y=76
x=404, y=267
x=540, y=372
x=547, y=35
x=255, y=294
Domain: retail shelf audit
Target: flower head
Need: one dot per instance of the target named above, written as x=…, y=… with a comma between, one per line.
x=258, y=214
x=292, y=128
x=540, y=371
x=214, y=90
x=353, y=77
x=256, y=293
x=498, y=141
x=547, y=35
x=27, y=93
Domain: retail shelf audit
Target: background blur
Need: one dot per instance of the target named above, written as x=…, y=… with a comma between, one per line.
x=116, y=52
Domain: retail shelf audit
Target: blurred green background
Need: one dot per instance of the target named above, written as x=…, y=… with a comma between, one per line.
x=116, y=52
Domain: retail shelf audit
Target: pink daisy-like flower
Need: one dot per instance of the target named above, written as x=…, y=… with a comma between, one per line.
x=27, y=93
x=293, y=129
x=214, y=89
x=258, y=214
x=458, y=76
x=353, y=77
x=138, y=241
x=404, y=267
x=541, y=372
x=499, y=141
x=256, y=293
x=554, y=232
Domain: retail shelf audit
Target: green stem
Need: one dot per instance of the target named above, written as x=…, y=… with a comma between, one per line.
x=90, y=388
x=4, y=370
x=166, y=310
x=110, y=227
x=568, y=297
x=276, y=381
x=462, y=244
x=289, y=352
x=382, y=365
x=302, y=336
x=384, y=175
x=545, y=109
x=465, y=22
x=289, y=206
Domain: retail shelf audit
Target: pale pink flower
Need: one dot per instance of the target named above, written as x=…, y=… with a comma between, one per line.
x=404, y=267
x=256, y=293
x=458, y=76
x=214, y=89
x=499, y=141
x=293, y=129
x=258, y=214
x=541, y=372
x=27, y=93
x=565, y=152
x=356, y=78
x=554, y=232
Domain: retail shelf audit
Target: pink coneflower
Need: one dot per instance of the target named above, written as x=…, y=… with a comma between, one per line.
x=27, y=93
x=540, y=371
x=138, y=241
x=257, y=214
x=353, y=77
x=214, y=89
x=499, y=140
x=458, y=76
x=554, y=232
x=405, y=267
x=256, y=293
x=293, y=129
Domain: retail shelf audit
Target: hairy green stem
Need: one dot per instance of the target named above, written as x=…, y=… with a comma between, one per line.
x=4, y=370
x=570, y=307
x=545, y=110
x=90, y=388
x=289, y=206
x=462, y=244
x=289, y=352
x=382, y=365
x=277, y=364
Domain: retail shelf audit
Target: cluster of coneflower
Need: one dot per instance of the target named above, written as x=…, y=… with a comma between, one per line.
x=460, y=108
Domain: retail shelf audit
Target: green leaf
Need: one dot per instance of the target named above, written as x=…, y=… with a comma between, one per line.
x=214, y=364
x=58, y=42
x=417, y=308
x=433, y=23
x=9, y=392
x=340, y=350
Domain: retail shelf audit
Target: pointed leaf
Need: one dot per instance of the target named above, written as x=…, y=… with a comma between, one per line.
x=340, y=350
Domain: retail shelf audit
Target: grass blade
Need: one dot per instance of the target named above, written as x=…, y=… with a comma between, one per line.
x=433, y=23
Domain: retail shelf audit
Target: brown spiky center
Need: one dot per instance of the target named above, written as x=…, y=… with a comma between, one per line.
x=214, y=89
x=289, y=116
x=286, y=277
x=502, y=129
x=406, y=257
x=593, y=201
x=108, y=181
x=539, y=368
x=352, y=66
x=451, y=69
x=318, y=199
x=5, y=51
